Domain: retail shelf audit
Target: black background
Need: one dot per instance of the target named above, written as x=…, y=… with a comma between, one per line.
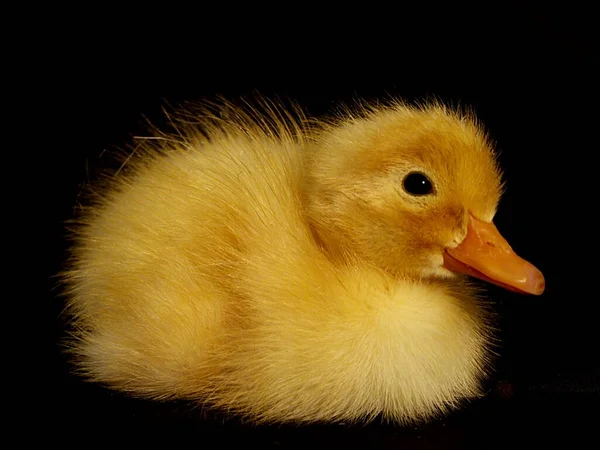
x=529, y=73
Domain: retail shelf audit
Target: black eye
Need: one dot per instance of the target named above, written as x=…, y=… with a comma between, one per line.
x=417, y=183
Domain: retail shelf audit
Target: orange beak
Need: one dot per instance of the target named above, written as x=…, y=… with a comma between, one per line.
x=485, y=254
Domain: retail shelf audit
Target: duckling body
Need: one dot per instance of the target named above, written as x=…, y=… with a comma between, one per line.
x=255, y=270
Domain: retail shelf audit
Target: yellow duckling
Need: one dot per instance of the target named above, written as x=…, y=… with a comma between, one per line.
x=294, y=272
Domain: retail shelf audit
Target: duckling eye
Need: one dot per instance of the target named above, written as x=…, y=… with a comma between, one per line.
x=416, y=183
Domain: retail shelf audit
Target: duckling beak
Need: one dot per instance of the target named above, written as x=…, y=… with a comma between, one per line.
x=485, y=254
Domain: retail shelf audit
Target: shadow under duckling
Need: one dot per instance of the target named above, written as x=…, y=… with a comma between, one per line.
x=293, y=271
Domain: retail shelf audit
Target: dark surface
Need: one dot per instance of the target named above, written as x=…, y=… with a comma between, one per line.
x=530, y=74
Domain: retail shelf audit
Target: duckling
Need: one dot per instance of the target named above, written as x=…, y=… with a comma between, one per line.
x=294, y=271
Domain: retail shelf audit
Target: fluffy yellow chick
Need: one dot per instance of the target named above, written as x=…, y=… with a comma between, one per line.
x=294, y=272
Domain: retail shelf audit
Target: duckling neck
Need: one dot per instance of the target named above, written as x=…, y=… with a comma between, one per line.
x=326, y=217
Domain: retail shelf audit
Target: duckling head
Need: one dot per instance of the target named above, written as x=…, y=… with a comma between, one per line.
x=414, y=192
